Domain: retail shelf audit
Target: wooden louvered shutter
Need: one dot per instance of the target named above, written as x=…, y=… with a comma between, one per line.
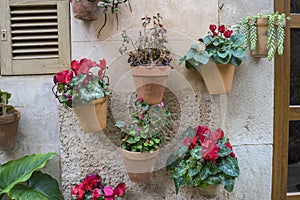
x=35, y=36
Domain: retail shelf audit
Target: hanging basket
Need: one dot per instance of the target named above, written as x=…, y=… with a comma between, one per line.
x=261, y=49
x=218, y=78
x=139, y=165
x=86, y=9
x=151, y=82
x=8, y=129
x=92, y=116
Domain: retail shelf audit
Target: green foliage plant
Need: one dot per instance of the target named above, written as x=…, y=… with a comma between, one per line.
x=145, y=131
x=204, y=158
x=21, y=179
x=150, y=49
x=222, y=46
x=4, y=107
x=276, y=32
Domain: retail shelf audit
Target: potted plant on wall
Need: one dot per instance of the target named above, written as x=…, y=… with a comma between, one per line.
x=204, y=160
x=223, y=48
x=92, y=187
x=87, y=93
x=9, y=122
x=265, y=33
x=141, y=138
x=150, y=60
x=85, y=9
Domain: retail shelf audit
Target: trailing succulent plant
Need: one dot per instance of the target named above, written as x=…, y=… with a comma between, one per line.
x=113, y=6
x=4, y=107
x=150, y=48
x=276, y=32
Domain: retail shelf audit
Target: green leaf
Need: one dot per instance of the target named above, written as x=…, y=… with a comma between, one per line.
x=196, y=152
x=191, y=63
x=239, y=52
x=40, y=186
x=131, y=141
x=191, y=53
x=17, y=171
x=202, y=57
x=230, y=166
x=120, y=124
x=189, y=132
x=223, y=54
x=204, y=172
x=182, y=150
x=227, y=182
x=214, y=180
x=237, y=39
x=182, y=59
x=236, y=61
x=224, y=60
x=193, y=172
x=224, y=151
x=207, y=40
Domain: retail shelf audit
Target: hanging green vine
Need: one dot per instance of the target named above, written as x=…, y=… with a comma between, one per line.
x=276, y=32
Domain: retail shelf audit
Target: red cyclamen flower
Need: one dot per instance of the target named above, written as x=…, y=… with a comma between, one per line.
x=228, y=33
x=212, y=28
x=120, y=190
x=221, y=29
x=63, y=77
x=230, y=147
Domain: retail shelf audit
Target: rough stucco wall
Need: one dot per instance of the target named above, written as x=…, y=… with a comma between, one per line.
x=38, y=126
x=249, y=119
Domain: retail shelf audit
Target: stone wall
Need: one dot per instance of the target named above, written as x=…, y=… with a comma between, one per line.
x=246, y=115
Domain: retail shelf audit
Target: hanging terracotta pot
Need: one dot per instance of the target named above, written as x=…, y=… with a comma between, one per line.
x=151, y=82
x=92, y=116
x=218, y=78
x=86, y=9
x=262, y=38
x=8, y=129
x=139, y=165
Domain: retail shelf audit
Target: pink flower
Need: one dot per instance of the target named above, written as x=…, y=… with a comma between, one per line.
x=63, y=77
x=138, y=129
x=102, y=66
x=147, y=141
x=120, y=190
x=161, y=104
x=140, y=99
x=96, y=194
x=140, y=116
x=108, y=193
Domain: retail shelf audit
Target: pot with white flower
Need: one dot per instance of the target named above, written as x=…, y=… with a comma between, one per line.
x=141, y=138
x=149, y=60
x=9, y=122
x=204, y=160
x=87, y=93
x=223, y=52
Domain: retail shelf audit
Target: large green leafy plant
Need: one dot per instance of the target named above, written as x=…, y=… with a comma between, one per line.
x=145, y=131
x=4, y=107
x=205, y=158
x=221, y=46
x=79, y=84
x=21, y=180
x=276, y=32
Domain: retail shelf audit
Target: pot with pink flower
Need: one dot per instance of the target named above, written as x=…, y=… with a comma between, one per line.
x=141, y=137
x=84, y=91
x=92, y=187
x=223, y=52
x=205, y=160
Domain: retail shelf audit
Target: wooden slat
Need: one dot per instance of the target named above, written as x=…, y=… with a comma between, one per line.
x=30, y=44
x=293, y=196
x=31, y=57
x=34, y=18
x=295, y=21
x=294, y=113
x=46, y=30
x=35, y=50
x=35, y=11
x=32, y=37
x=24, y=25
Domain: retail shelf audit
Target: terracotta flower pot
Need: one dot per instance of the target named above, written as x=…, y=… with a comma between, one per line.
x=8, y=129
x=139, y=165
x=86, y=9
x=262, y=38
x=218, y=80
x=151, y=82
x=210, y=192
x=92, y=116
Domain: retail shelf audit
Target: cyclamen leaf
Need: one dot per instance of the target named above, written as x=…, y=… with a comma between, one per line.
x=224, y=151
x=236, y=61
x=223, y=54
x=227, y=182
x=202, y=57
x=196, y=152
x=239, y=52
x=182, y=150
x=237, y=39
x=230, y=167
